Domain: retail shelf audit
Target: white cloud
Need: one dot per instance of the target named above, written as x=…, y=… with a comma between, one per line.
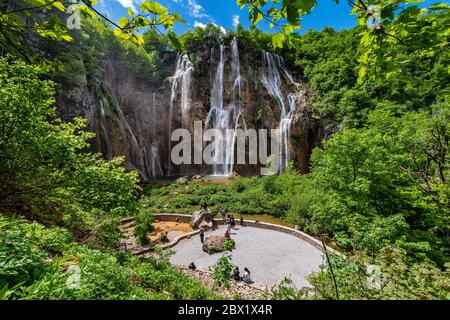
x=198, y=24
x=222, y=29
x=128, y=4
x=236, y=21
x=195, y=9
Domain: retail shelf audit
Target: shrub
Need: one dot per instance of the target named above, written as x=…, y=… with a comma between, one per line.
x=222, y=271
x=143, y=225
x=229, y=245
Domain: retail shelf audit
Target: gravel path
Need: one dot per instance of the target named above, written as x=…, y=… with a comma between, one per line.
x=270, y=255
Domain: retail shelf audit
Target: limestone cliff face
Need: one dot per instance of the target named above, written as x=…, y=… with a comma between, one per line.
x=132, y=117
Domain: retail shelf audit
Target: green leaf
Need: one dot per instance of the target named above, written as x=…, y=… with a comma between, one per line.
x=122, y=22
x=256, y=17
x=58, y=5
x=277, y=40
x=153, y=7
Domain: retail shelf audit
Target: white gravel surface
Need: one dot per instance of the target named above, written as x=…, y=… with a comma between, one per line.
x=270, y=255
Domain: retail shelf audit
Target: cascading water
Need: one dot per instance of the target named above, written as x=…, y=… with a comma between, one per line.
x=236, y=71
x=183, y=76
x=282, y=65
x=285, y=133
x=272, y=81
x=135, y=148
x=155, y=166
x=218, y=115
x=237, y=107
x=222, y=118
x=104, y=132
x=226, y=110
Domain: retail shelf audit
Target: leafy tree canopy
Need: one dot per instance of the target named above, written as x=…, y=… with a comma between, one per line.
x=386, y=23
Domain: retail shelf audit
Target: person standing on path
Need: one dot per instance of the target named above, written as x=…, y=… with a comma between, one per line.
x=242, y=221
x=228, y=222
x=202, y=235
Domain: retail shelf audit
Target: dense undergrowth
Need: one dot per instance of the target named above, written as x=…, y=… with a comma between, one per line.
x=42, y=263
x=47, y=179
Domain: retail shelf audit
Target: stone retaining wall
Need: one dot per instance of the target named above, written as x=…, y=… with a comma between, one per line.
x=185, y=218
x=176, y=240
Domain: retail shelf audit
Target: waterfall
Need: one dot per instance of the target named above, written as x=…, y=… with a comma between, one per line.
x=237, y=107
x=104, y=132
x=218, y=115
x=217, y=89
x=229, y=117
x=183, y=76
x=154, y=166
x=135, y=150
x=236, y=71
x=282, y=65
x=271, y=79
x=285, y=133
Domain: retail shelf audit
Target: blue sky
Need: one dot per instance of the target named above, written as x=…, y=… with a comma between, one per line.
x=226, y=12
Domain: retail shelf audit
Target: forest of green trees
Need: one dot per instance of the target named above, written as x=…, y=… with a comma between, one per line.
x=378, y=189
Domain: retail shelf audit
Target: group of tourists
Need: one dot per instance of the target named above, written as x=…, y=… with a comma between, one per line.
x=231, y=224
x=229, y=221
x=246, y=278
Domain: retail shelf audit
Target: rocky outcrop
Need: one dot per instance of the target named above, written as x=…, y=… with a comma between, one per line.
x=130, y=114
x=202, y=220
x=307, y=131
x=213, y=244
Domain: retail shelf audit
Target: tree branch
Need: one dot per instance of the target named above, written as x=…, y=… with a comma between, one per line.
x=29, y=8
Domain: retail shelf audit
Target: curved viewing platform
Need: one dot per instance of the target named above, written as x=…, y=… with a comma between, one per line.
x=272, y=252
